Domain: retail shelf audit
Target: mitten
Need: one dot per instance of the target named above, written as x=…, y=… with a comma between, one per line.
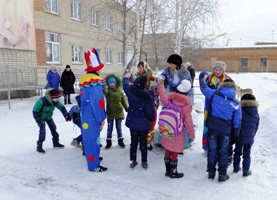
x=202, y=74
x=68, y=118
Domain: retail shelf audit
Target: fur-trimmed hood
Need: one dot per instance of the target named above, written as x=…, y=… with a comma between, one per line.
x=118, y=80
x=249, y=103
x=181, y=71
x=47, y=95
x=179, y=99
x=227, y=84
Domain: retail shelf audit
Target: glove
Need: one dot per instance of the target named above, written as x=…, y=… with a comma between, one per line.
x=202, y=74
x=68, y=118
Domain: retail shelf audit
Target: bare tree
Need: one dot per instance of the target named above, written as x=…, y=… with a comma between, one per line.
x=193, y=23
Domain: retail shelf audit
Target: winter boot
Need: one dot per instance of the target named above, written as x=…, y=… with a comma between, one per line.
x=174, y=173
x=223, y=177
x=56, y=143
x=133, y=164
x=65, y=101
x=75, y=143
x=69, y=102
x=144, y=165
x=121, y=143
x=150, y=147
x=236, y=170
x=100, y=169
x=211, y=175
x=167, y=166
x=246, y=173
x=109, y=143
x=39, y=147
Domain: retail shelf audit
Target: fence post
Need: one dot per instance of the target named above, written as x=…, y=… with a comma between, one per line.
x=9, y=86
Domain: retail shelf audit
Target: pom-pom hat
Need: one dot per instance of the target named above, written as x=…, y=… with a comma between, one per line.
x=184, y=87
x=93, y=61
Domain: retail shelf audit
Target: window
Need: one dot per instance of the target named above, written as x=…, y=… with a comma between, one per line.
x=244, y=62
x=75, y=10
x=52, y=6
x=263, y=62
x=109, y=22
x=119, y=57
x=108, y=56
x=52, y=41
x=77, y=54
x=120, y=26
x=95, y=17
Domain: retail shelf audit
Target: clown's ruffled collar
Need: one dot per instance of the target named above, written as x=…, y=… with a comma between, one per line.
x=91, y=79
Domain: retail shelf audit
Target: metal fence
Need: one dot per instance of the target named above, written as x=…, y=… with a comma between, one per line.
x=32, y=78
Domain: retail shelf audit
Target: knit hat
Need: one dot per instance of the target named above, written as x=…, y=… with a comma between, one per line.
x=54, y=93
x=220, y=64
x=140, y=82
x=248, y=97
x=184, y=87
x=93, y=61
x=111, y=80
x=175, y=59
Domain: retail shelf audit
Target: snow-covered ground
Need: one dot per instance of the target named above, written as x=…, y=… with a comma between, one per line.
x=62, y=173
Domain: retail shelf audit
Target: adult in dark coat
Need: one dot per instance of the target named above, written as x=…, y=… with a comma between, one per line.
x=140, y=115
x=67, y=84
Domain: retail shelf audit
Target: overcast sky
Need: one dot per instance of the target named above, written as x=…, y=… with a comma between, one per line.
x=248, y=21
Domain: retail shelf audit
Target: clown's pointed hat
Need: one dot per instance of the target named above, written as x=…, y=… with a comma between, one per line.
x=93, y=61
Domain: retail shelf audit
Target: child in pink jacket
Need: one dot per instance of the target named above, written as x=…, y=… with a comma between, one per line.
x=176, y=145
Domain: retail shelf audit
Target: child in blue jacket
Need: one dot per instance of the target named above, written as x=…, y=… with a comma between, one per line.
x=74, y=112
x=139, y=117
x=223, y=120
x=249, y=126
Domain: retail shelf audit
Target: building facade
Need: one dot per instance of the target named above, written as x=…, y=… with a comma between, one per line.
x=63, y=30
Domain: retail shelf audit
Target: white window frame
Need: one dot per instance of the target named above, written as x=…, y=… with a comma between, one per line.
x=120, y=26
x=108, y=56
x=120, y=57
x=77, y=54
x=95, y=17
x=76, y=10
x=52, y=42
x=108, y=21
x=49, y=6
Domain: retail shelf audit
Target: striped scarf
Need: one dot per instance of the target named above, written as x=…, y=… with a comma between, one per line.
x=214, y=81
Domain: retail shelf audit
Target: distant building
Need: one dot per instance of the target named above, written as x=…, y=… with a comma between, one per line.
x=243, y=59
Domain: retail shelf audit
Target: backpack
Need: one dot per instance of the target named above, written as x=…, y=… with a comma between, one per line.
x=170, y=121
